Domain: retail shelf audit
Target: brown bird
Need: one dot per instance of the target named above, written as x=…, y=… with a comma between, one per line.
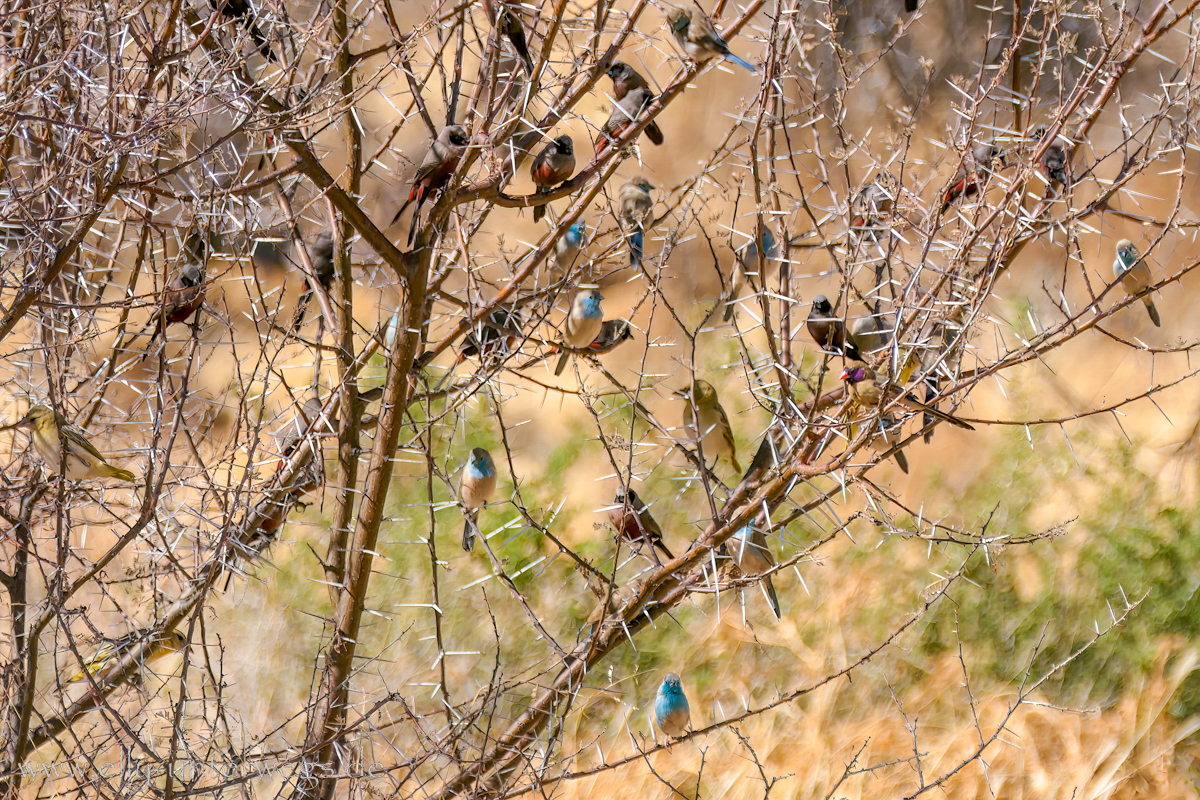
x=624, y=116
x=975, y=173
x=873, y=204
x=626, y=79
x=1055, y=163
x=321, y=253
x=828, y=330
x=244, y=13
x=865, y=386
x=436, y=169
x=553, y=165
x=632, y=519
x=503, y=14
x=184, y=293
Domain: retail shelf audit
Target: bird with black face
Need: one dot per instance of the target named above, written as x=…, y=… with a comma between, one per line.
x=634, y=523
x=436, y=169
x=244, y=13
x=869, y=389
x=626, y=79
x=184, y=293
x=624, y=116
x=553, y=165
x=828, y=330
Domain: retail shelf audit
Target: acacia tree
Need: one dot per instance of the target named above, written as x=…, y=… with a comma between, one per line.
x=134, y=130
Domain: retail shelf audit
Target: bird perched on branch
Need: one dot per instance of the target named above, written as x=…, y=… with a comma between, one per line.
x=184, y=294
x=612, y=333
x=706, y=423
x=980, y=165
x=871, y=331
x=321, y=256
x=99, y=665
x=635, y=524
x=495, y=336
x=475, y=488
x=52, y=434
x=624, y=115
x=749, y=263
x=1134, y=275
x=505, y=18
x=626, y=79
x=828, y=330
x=436, y=169
x=867, y=388
x=553, y=165
x=873, y=205
x=696, y=36
x=568, y=247
x=583, y=324
x=636, y=210
x=671, y=712
x=1056, y=162
x=244, y=14
x=753, y=556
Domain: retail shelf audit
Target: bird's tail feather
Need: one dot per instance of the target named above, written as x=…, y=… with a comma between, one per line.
x=635, y=249
x=772, y=598
x=1153, y=312
x=942, y=415
x=741, y=63
x=901, y=461
x=654, y=133
x=562, y=362
x=120, y=474
x=468, y=540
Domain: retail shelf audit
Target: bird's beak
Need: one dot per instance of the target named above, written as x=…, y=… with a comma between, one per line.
x=845, y=374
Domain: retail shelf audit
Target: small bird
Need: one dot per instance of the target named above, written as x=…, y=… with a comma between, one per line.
x=100, y=663
x=244, y=13
x=553, y=165
x=873, y=204
x=636, y=210
x=752, y=556
x=612, y=333
x=436, y=169
x=624, y=115
x=583, y=324
x=828, y=330
x=321, y=252
x=50, y=431
x=626, y=79
x=696, y=36
x=889, y=430
x=504, y=18
x=747, y=264
x=871, y=331
x=184, y=294
x=864, y=385
x=496, y=336
x=568, y=247
x=634, y=523
x=974, y=174
x=1134, y=276
x=475, y=488
x=1055, y=163
x=705, y=422
x=671, y=712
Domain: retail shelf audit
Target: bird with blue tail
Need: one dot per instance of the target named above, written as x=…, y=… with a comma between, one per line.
x=475, y=488
x=750, y=263
x=671, y=712
x=696, y=36
x=568, y=247
x=1134, y=275
x=636, y=208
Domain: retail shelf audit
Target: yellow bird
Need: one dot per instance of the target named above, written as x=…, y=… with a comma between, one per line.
x=50, y=431
x=704, y=417
x=99, y=664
